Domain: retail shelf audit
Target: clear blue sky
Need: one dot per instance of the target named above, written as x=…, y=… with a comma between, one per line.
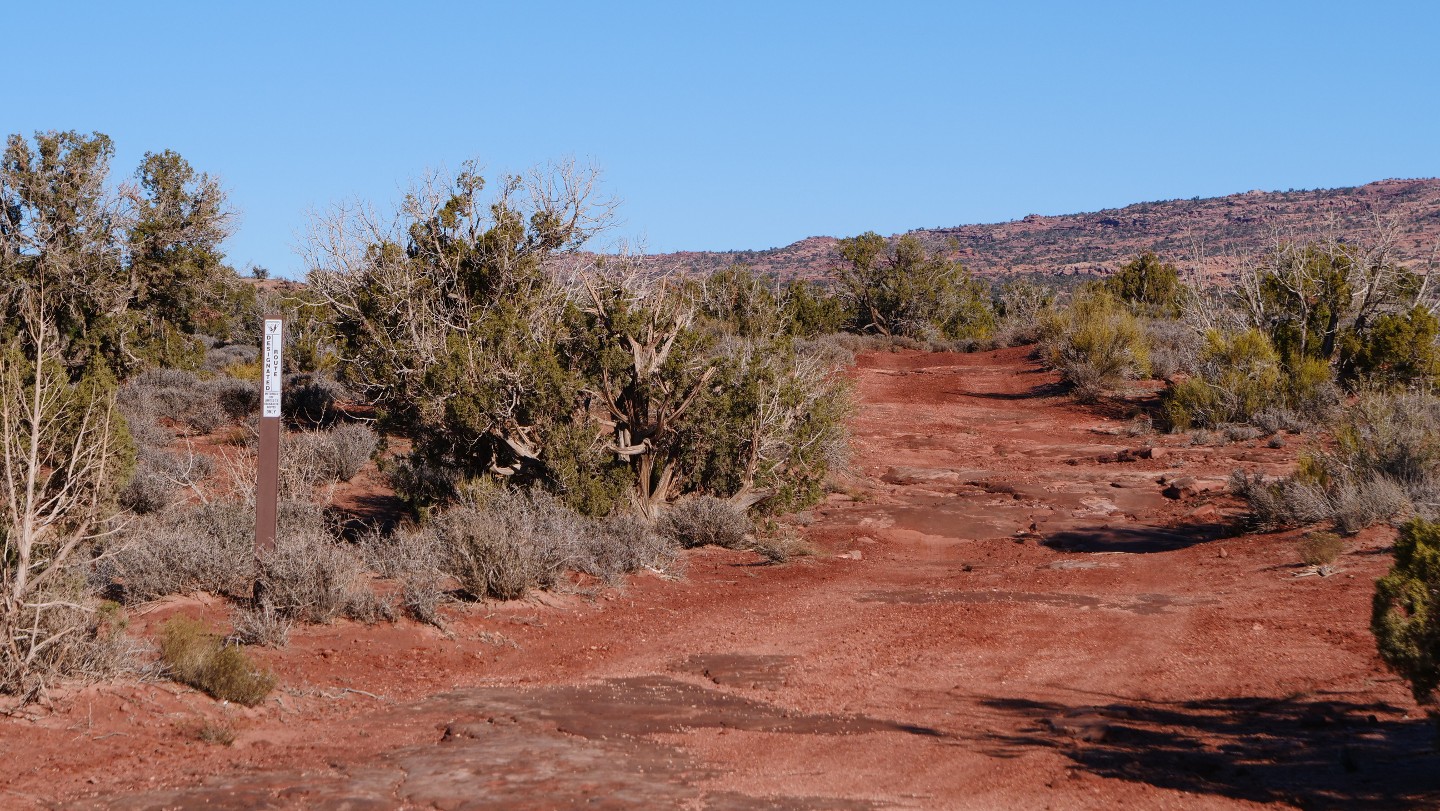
x=742, y=125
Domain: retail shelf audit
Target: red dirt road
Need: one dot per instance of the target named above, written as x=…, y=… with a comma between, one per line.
x=1010, y=610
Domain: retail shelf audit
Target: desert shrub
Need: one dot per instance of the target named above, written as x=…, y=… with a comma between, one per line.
x=905, y=290
x=1390, y=434
x=1383, y=464
x=1238, y=376
x=831, y=350
x=204, y=547
x=516, y=542
x=420, y=481
x=302, y=464
x=812, y=311
x=336, y=454
x=779, y=543
x=1284, y=502
x=147, y=492
x=1406, y=614
x=619, y=544
x=178, y=396
x=221, y=357
x=1021, y=307
x=1175, y=348
x=414, y=558
x=1320, y=548
x=1149, y=285
x=260, y=622
x=238, y=399
x=505, y=543
x=599, y=389
x=1396, y=349
x=1240, y=433
x=1367, y=503
x=194, y=655
x=1310, y=391
x=158, y=475
x=707, y=521
x=310, y=577
x=312, y=401
x=146, y=432
x=1095, y=343
x=62, y=634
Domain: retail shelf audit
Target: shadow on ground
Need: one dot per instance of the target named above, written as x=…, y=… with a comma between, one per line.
x=1320, y=751
x=1136, y=539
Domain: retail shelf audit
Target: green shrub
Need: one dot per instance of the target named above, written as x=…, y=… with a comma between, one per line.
x=1239, y=376
x=193, y=655
x=1149, y=285
x=902, y=289
x=1397, y=349
x=1406, y=614
x=1096, y=343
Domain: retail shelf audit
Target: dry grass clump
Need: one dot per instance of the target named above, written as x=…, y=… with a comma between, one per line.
x=1279, y=503
x=779, y=543
x=215, y=733
x=193, y=655
x=1320, y=548
x=707, y=521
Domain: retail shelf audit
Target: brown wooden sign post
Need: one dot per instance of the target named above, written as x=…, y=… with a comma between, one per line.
x=267, y=480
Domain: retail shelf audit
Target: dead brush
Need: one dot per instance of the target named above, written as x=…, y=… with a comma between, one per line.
x=213, y=731
x=310, y=577
x=1319, y=551
x=413, y=558
x=779, y=543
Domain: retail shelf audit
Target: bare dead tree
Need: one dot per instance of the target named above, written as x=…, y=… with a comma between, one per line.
x=58, y=449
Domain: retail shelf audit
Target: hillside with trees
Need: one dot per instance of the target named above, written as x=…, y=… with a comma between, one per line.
x=1099, y=242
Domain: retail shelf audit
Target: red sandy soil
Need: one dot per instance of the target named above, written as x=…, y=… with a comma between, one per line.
x=1007, y=610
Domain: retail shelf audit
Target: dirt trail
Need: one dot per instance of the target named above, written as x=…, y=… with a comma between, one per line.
x=1019, y=605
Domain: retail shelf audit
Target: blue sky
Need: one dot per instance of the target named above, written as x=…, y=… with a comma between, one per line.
x=742, y=125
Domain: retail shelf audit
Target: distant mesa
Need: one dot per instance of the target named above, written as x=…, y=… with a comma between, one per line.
x=1097, y=243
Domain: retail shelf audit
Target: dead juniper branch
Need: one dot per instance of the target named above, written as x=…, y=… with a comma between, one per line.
x=58, y=453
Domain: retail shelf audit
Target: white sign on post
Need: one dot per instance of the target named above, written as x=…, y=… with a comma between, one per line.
x=270, y=390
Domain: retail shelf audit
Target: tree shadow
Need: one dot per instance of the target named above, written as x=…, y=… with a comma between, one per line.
x=367, y=513
x=1136, y=539
x=1318, y=751
x=1036, y=392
